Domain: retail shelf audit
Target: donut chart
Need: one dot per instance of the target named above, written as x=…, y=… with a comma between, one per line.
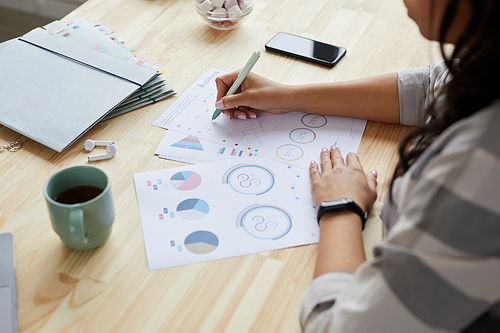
x=265, y=221
x=289, y=152
x=302, y=135
x=249, y=179
x=314, y=120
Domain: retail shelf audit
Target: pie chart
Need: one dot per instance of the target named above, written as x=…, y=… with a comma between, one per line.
x=185, y=180
x=201, y=242
x=193, y=209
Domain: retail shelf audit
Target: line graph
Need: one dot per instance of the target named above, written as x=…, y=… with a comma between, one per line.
x=350, y=137
x=256, y=128
x=293, y=188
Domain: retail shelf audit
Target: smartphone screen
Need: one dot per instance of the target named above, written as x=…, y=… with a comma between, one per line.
x=306, y=49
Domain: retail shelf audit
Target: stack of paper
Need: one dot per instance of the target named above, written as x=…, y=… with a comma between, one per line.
x=294, y=138
x=56, y=82
x=258, y=165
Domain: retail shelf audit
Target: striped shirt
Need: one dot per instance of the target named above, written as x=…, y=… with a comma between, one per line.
x=438, y=267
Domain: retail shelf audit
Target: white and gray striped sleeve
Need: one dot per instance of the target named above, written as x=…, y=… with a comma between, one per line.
x=415, y=86
x=438, y=270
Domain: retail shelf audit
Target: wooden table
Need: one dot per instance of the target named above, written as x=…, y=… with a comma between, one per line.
x=110, y=289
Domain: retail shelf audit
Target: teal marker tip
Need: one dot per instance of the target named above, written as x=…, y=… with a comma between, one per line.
x=217, y=113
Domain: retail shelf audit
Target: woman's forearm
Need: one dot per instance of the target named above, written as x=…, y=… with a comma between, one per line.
x=341, y=243
x=374, y=98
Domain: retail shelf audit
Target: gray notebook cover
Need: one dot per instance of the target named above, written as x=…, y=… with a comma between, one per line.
x=53, y=90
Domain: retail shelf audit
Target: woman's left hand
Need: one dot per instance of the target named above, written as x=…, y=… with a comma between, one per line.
x=338, y=180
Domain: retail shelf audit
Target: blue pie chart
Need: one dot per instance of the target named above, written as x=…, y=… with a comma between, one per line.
x=201, y=242
x=185, y=180
x=193, y=209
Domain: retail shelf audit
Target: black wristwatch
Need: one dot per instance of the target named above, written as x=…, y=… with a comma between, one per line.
x=339, y=205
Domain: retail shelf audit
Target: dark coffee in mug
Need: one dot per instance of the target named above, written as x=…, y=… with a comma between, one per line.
x=78, y=194
x=80, y=206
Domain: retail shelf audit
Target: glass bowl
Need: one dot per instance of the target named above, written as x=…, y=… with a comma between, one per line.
x=216, y=15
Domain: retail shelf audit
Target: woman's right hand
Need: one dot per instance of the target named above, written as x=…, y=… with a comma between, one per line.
x=256, y=92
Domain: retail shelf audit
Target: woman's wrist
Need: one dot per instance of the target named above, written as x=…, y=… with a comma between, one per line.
x=311, y=98
x=290, y=100
x=296, y=98
x=347, y=218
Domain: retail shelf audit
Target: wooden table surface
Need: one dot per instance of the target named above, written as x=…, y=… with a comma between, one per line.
x=110, y=289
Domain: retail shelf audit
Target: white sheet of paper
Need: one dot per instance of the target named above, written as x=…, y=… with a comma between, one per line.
x=294, y=138
x=190, y=149
x=224, y=209
x=181, y=159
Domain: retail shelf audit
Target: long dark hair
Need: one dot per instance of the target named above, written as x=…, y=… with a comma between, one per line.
x=475, y=77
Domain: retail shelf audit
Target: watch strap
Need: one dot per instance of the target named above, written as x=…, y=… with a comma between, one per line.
x=341, y=205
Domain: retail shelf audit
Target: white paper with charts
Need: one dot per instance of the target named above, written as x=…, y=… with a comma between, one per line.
x=190, y=149
x=224, y=209
x=294, y=138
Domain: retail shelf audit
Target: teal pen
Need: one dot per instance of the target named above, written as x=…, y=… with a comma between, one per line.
x=241, y=77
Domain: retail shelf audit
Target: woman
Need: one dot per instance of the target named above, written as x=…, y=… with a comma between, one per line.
x=438, y=267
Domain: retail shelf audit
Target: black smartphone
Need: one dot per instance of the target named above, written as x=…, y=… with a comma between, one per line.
x=306, y=49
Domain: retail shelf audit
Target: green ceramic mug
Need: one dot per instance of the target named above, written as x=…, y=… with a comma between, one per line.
x=80, y=206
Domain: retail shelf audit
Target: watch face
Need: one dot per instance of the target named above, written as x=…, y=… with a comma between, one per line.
x=339, y=205
x=338, y=202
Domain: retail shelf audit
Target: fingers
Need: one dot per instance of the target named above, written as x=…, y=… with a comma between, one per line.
x=248, y=111
x=233, y=101
x=221, y=88
x=371, y=177
x=336, y=156
x=353, y=160
x=228, y=114
x=223, y=84
x=326, y=162
x=314, y=171
x=240, y=114
x=245, y=95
